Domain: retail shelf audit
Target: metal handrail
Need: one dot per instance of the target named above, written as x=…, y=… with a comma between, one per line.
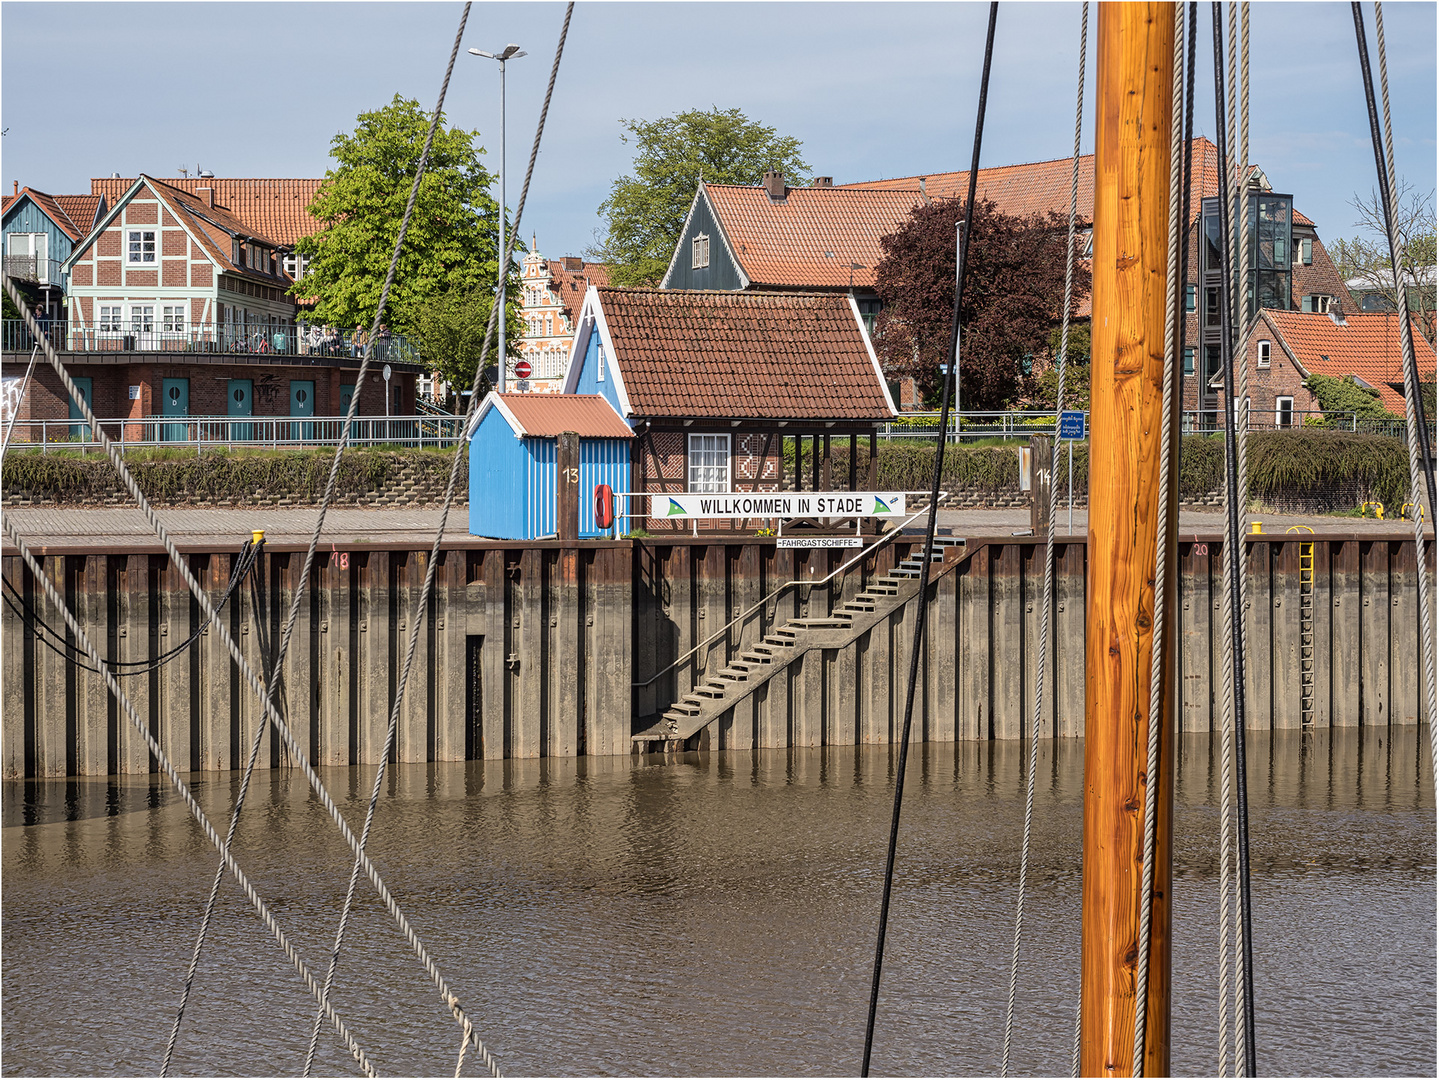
x=865, y=553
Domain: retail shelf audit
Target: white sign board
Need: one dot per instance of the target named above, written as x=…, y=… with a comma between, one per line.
x=780, y=504
x=819, y=542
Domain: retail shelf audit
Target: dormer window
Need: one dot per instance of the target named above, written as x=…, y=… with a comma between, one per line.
x=141, y=246
x=700, y=255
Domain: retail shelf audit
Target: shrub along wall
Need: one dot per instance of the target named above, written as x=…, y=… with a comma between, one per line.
x=249, y=478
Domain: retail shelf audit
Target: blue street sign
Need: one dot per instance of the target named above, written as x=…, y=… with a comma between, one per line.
x=1071, y=424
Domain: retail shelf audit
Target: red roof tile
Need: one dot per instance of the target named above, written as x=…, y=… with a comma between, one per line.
x=273, y=208
x=589, y=415
x=570, y=278
x=81, y=209
x=56, y=209
x=1366, y=346
x=808, y=239
x=742, y=355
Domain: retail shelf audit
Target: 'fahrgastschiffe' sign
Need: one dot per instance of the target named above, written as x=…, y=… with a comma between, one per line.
x=780, y=504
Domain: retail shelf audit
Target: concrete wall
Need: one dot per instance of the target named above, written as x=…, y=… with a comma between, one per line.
x=533, y=650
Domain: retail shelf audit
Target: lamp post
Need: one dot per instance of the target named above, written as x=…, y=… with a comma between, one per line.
x=509, y=52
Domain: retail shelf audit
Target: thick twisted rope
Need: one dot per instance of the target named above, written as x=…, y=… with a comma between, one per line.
x=1416, y=426
x=299, y=592
x=1160, y=638
x=422, y=602
x=222, y=846
x=247, y=672
x=1042, y=667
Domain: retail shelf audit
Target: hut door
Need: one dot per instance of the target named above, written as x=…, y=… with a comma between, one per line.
x=82, y=432
x=240, y=397
x=174, y=401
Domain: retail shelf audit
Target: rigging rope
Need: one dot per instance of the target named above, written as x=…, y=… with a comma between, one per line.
x=1160, y=639
x=1047, y=603
x=1416, y=426
x=1234, y=559
x=422, y=602
x=165, y=765
x=246, y=561
x=275, y=675
x=922, y=600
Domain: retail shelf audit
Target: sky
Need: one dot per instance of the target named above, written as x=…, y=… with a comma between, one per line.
x=871, y=89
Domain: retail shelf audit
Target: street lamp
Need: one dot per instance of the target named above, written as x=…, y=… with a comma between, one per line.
x=509, y=52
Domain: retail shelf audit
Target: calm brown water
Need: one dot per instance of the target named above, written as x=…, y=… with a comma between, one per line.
x=710, y=916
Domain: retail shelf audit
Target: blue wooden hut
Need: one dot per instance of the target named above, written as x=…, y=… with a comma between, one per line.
x=514, y=463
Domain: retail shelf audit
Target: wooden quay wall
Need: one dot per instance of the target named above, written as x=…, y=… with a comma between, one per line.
x=542, y=650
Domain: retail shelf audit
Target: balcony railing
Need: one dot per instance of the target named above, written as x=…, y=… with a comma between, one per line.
x=212, y=432
x=34, y=268
x=253, y=340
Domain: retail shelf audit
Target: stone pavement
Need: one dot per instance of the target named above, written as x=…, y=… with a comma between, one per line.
x=121, y=529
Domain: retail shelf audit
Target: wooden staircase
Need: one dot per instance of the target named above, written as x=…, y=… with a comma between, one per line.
x=681, y=726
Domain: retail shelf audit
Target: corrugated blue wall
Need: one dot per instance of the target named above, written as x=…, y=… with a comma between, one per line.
x=539, y=473
x=603, y=461
x=589, y=381
x=25, y=217
x=498, y=495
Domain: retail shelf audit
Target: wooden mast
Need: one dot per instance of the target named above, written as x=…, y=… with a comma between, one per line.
x=1133, y=107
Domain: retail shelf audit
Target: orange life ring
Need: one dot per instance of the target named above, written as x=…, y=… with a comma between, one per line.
x=604, y=506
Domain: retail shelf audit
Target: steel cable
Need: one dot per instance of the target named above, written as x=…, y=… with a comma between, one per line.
x=1160, y=641
x=922, y=600
x=1047, y=603
x=1421, y=469
x=421, y=603
x=165, y=765
x=24, y=388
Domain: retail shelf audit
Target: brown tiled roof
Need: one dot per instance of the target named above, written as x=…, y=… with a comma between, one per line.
x=57, y=208
x=589, y=415
x=809, y=239
x=6, y=201
x=570, y=281
x=741, y=355
x=1366, y=346
x=1038, y=187
x=272, y=208
x=81, y=210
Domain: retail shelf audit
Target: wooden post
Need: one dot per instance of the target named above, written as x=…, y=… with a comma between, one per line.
x=1131, y=210
x=1041, y=471
x=567, y=487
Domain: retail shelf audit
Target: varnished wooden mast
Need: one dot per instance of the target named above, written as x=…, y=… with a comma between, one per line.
x=1131, y=214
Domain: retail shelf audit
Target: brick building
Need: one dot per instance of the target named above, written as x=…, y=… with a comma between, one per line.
x=552, y=291
x=717, y=386
x=179, y=308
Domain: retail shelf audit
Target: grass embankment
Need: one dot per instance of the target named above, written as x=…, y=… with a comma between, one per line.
x=219, y=476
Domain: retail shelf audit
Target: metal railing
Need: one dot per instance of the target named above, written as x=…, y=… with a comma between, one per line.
x=1022, y=424
x=158, y=335
x=254, y=432
x=864, y=553
x=33, y=268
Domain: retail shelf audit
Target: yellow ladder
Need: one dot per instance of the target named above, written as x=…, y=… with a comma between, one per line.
x=1306, y=634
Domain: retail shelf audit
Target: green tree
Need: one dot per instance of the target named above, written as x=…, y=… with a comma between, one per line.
x=449, y=330
x=1366, y=257
x=645, y=211
x=450, y=247
x=1338, y=398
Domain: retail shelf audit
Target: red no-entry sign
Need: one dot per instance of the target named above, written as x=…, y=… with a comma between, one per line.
x=522, y=369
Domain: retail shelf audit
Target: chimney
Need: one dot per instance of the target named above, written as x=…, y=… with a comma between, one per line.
x=572, y=263
x=1337, y=313
x=822, y=181
x=17, y=187
x=774, y=185
x=208, y=194
x=921, y=188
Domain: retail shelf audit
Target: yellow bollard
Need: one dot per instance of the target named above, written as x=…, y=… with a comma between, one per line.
x=1256, y=527
x=257, y=535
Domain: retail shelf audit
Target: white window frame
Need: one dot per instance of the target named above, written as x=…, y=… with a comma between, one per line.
x=600, y=362
x=173, y=318
x=706, y=474
x=1263, y=354
x=700, y=252
x=137, y=258
x=1278, y=411
x=110, y=319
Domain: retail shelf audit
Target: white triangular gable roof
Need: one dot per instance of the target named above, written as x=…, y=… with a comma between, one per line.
x=873, y=359
x=85, y=242
x=701, y=193
x=492, y=401
x=592, y=320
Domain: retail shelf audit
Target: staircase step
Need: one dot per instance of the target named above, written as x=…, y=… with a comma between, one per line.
x=685, y=707
x=830, y=622
x=778, y=640
x=712, y=690
x=757, y=658
x=735, y=674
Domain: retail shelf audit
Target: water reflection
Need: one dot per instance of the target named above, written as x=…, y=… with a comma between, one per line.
x=711, y=914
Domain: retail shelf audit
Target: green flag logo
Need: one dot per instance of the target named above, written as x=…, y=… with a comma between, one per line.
x=675, y=508
x=881, y=507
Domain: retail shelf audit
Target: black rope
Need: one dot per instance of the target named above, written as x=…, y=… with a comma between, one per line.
x=1384, y=194
x=1232, y=537
x=923, y=598
x=244, y=563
